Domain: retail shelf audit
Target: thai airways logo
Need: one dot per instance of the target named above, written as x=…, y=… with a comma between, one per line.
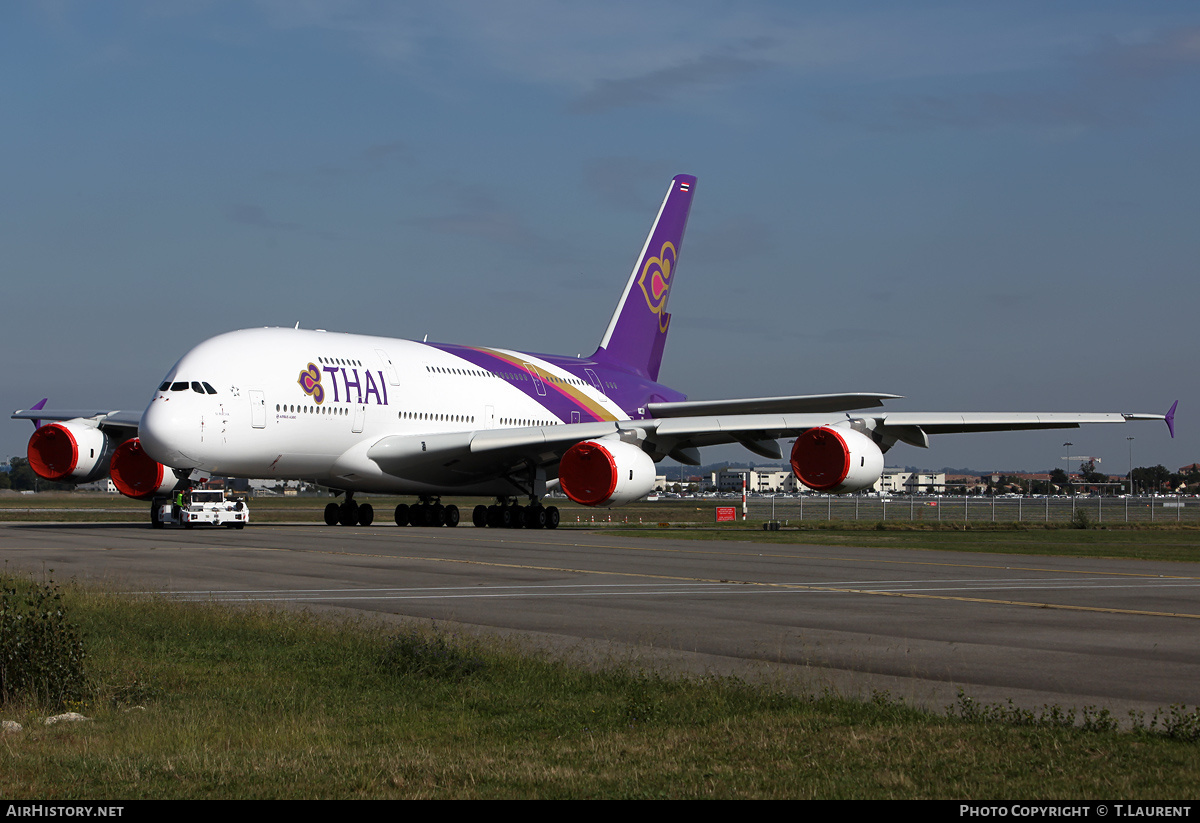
x=655, y=282
x=310, y=381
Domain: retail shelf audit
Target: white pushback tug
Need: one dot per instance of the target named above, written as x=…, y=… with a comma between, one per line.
x=213, y=507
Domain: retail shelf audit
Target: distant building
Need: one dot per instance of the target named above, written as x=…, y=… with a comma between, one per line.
x=760, y=480
x=897, y=481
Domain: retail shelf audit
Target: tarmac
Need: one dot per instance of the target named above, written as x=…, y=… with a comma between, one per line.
x=917, y=625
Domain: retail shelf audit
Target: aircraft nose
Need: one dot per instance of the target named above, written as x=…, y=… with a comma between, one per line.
x=167, y=432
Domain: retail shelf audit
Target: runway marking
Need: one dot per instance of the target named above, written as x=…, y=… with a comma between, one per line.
x=834, y=588
x=827, y=588
x=787, y=556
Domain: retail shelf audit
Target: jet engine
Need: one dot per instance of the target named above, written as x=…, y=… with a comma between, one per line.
x=138, y=475
x=605, y=473
x=836, y=460
x=75, y=451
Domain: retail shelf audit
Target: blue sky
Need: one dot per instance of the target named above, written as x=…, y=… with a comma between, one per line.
x=978, y=206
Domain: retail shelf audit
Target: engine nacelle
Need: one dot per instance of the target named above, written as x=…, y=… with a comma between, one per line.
x=605, y=473
x=138, y=475
x=74, y=451
x=836, y=460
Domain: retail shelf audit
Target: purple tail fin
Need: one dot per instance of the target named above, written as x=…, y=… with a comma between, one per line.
x=637, y=331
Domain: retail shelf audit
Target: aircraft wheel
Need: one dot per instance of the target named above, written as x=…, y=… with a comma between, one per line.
x=504, y=517
x=552, y=517
x=366, y=514
x=402, y=514
x=349, y=513
x=333, y=513
x=450, y=515
x=417, y=514
x=518, y=517
x=535, y=517
x=479, y=516
x=154, y=521
x=435, y=514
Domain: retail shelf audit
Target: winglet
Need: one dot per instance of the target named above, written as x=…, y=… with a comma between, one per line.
x=1170, y=419
x=37, y=424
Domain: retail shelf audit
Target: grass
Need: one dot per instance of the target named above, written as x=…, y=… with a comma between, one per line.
x=198, y=701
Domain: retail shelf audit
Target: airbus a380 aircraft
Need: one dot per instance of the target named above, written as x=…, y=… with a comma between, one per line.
x=380, y=415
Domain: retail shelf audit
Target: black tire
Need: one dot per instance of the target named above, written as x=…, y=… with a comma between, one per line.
x=433, y=517
x=402, y=515
x=155, y=523
x=417, y=514
x=535, y=517
x=333, y=513
x=450, y=515
x=366, y=514
x=552, y=517
x=479, y=516
x=494, y=518
x=349, y=513
x=505, y=517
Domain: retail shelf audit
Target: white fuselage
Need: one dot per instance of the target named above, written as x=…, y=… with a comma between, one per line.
x=302, y=404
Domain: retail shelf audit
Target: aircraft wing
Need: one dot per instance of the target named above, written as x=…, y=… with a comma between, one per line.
x=758, y=431
x=463, y=457
x=795, y=404
x=105, y=418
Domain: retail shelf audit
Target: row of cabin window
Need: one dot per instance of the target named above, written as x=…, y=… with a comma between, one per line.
x=338, y=361
x=551, y=378
x=470, y=418
x=310, y=409
x=446, y=418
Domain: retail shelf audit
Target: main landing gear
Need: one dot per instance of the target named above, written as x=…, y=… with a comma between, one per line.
x=429, y=512
x=507, y=514
x=349, y=513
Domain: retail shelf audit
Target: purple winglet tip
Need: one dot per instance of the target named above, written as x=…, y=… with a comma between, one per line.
x=1170, y=418
x=37, y=424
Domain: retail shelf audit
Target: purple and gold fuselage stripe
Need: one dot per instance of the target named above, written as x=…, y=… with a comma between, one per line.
x=559, y=400
x=576, y=397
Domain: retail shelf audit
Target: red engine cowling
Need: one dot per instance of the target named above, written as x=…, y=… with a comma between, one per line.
x=138, y=475
x=75, y=451
x=605, y=473
x=836, y=460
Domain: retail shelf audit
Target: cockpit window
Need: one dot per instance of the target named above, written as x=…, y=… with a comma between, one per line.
x=180, y=386
x=208, y=388
x=165, y=386
x=197, y=388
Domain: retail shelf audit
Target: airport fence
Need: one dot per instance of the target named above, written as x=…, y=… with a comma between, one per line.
x=975, y=509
